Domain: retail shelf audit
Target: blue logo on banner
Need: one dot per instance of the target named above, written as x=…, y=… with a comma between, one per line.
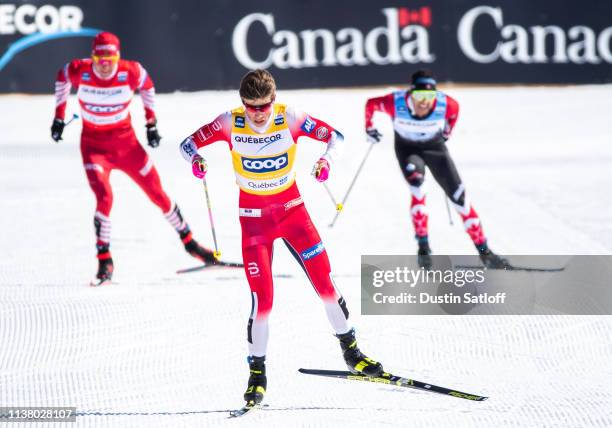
x=36, y=38
x=279, y=119
x=313, y=251
x=261, y=165
x=308, y=125
x=239, y=122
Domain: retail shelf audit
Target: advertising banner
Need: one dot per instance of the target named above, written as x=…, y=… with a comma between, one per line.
x=189, y=45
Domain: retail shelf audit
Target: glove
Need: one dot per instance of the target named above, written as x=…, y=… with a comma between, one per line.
x=199, y=167
x=152, y=135
x=373, y=135
x=320, y=171
x=57, y=128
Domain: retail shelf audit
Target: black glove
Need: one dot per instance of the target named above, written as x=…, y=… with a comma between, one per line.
x=56, y=129
x=373, y=135
x=152, y=135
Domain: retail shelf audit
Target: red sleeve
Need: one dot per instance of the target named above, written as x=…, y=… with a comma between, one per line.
x=382, y=104
x=219, y=129
x=67, y=77
x=452, y=114
x=303, y=125
x=141, y=81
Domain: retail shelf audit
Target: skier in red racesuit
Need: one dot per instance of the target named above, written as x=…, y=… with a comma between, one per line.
x=105, y=85
x=262, y=137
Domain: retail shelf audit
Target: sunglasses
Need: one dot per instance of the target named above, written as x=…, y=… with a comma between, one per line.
x=423, y=95
x=258, y=108
x=105, y=58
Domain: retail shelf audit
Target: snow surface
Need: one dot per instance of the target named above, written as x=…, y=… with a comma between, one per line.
x=536, y=163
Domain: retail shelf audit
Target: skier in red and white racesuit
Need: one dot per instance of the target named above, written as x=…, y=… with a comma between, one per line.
x=105, y=85
x=262, y=136
x=423, y=119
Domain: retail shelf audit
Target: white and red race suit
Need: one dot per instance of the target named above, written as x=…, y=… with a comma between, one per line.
x=420, y=142
x=108, y=140
x=270, y=205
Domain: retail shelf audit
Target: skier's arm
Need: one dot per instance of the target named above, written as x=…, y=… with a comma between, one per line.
x=217, y=130
x=144, y=84
x=452, y=114
x=382, y=104
x=303, y=125
x=63, y=84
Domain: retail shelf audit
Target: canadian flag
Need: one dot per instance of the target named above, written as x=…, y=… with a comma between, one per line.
x=421, y=16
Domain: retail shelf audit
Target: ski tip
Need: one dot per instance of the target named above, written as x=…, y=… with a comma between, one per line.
x=100, y=283
x=466, y=396
x=250, y=405
x=480, y=398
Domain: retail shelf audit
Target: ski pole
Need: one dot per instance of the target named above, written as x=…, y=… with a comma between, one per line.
x=74, y=116
x=351, y=185
x=335, y=202
x=448, y=211
x=217, y=253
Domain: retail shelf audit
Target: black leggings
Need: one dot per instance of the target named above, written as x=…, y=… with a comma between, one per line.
x=413, y=160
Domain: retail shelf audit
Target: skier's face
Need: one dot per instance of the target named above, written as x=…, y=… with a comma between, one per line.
x=105, y=65
x=423, y=102
x=259, y=110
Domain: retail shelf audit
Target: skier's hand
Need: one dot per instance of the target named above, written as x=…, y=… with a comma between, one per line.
x=57, y=128
x=373, y=135
x=199, y=167
x=152, y=135
x=320, y=171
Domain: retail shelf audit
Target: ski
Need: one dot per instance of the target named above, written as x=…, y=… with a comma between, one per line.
x=100, y=282
x=219, y=264
x=513, y=268
x=389, y=379
x=251, y=405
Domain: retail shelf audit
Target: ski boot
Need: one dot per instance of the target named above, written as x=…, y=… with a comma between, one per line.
x=491, y=260
x=257, y=380
x=105, y=266
x=196, y=250
x=424, y=253
x=354, y=358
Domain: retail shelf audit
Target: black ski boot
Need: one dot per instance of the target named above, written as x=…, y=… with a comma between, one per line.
x=257, y=380
x=424, y=253
x=491, y=260
x=354, y=358
x=105, y=266
x=196, y=250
